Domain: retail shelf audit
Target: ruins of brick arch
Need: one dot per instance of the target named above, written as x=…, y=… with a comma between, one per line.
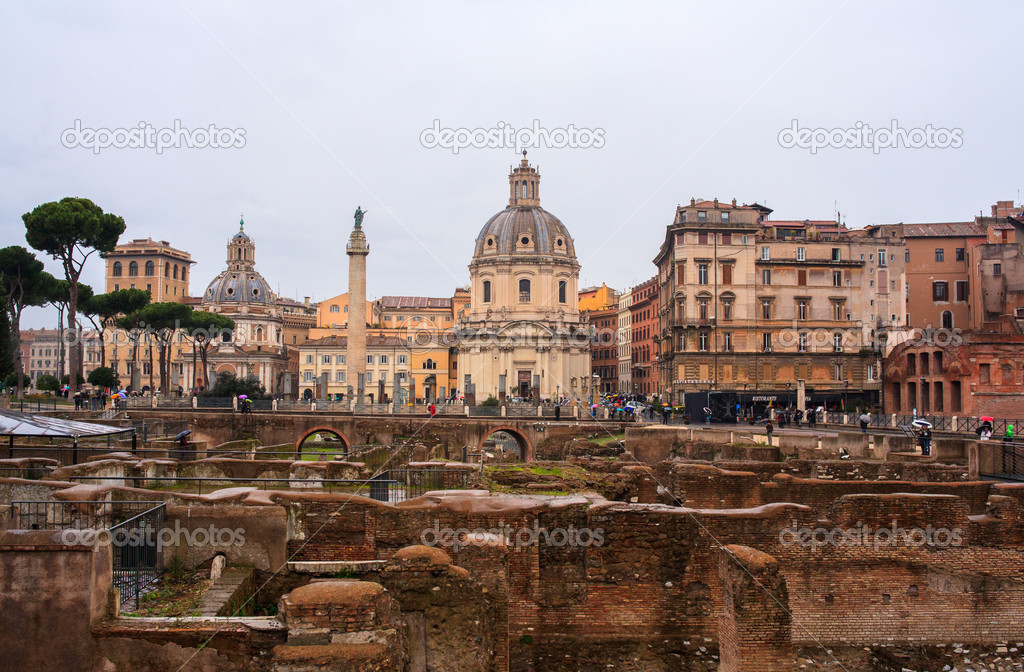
x=525, y=447
x=321, y=430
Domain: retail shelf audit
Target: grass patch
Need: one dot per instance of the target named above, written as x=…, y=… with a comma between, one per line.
x=176, y=595
x=605, y=440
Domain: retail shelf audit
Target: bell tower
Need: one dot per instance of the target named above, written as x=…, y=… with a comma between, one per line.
x=524, y=185
x=241, y=251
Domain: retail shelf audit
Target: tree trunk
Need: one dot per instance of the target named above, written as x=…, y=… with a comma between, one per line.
x=162, y=349
x=150, y=345
x=75, y=363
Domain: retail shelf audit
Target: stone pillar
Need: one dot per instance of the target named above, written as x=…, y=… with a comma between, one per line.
x=357, y=251
x=801, y=393
x=755, y=632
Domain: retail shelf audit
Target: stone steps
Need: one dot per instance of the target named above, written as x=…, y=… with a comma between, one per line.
x=230, y=588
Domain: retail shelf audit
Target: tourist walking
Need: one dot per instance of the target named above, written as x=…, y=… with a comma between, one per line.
x=432, y=409
x=769, y=428
x=865, y=418
x=925, y=438
x=558, y=412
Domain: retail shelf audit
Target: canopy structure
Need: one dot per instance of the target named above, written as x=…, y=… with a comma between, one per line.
x=13, y=423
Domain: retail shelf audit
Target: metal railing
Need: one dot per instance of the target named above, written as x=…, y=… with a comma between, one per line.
x=1005, y=457
x=34, y=405
x=416, y=482
x=28, y=473
x=380, y=491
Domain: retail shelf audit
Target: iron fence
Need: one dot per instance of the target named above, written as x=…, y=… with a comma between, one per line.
x=1005, y=457
x=30, y=405
x=211, y=483
x=416, y=482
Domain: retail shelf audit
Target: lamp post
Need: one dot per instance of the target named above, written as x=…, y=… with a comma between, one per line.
x=846, y=391
x=789, y=401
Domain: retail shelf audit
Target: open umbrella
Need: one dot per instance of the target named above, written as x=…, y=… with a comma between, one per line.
x=182, y=435
x=921, y=423
x=987, y=418
x=243, y=396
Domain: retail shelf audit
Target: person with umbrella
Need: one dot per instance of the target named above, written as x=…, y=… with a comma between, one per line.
x=182, y=437
x=865, y=419
x=924, y=436
x=985, y=430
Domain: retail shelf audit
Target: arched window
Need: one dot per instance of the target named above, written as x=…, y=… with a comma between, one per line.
x=259, y=333
x=183, y=269
x=133, y=268
x=335, y=309
x=515, y=192
x=532, y=189
x=562, y=285
x=117, y=269
x=150, y=268
x=175, y=271
x=487, y=291
x=947, y=319
x=524, y=189
x=524, y=291
x=167, y=270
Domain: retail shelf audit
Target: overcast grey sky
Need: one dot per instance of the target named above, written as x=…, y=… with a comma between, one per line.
x=689, y=99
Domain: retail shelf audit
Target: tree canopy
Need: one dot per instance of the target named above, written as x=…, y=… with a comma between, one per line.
x=230, y=385
x=23, y=282
x=70, y=230
x=103, y=376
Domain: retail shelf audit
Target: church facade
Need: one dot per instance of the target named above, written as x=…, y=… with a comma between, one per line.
x=522, y=334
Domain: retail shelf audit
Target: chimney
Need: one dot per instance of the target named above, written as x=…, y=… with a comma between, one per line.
x=693, y=201
x=716, y=201
x=305, y=300
x=734, y=202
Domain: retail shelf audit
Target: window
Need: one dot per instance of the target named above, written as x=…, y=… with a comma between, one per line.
x=369, y=359
x=802, y=342
x=725, y=218
x=881, y=257
x=837, y=310
x=871, y=372
x=702, y=309
x=766, y=342
x=940, y=291
x=801, y=309
x=726, y=237
x=335, y=309
x=117, y=269
x=837, y=342
x=702, y=341
x=906, y=256
x=985, y=374
x=133, y=268
x=403, y=359
x=940, y=254
x=962, y=289
x=837, y=278
x=702, y=216
x=562, y=287
x=309, y=359
x=961, y=254
x=341, y=376
x=150, y=268
x=836, y=256
x=766, y=310
x=702, y=274
x=801, y=254
x=383, y=359
x=766, y=276
x=524, y=291
x=997, y=269
x=727, y=309
x=369, y=376
x=487, y=291
x=726, y=274
x=325, y=359
x=801, y=277
x=947, y=319
x=765, y=254
x=727, y=345
x=308, y=376
x=339, y=359
x=837, y=371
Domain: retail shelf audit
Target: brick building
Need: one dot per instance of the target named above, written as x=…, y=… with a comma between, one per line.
x=754, y=309
x=643, y=339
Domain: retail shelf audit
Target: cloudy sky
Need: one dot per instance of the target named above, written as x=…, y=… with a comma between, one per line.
x=324, y=107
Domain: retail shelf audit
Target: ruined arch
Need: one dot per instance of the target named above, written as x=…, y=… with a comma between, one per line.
x=525, y=447
x=346, y=444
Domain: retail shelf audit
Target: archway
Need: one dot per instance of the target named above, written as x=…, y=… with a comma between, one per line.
x=326, y=441
x=508, y=439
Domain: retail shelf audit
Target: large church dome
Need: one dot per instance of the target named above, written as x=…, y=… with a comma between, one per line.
x=524, y=228
x=241, y=283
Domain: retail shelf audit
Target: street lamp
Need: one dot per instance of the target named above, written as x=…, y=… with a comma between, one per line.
x=789, y=401
x=846, y=390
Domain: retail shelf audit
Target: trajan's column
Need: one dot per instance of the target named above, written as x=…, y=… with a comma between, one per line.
x=357, y=250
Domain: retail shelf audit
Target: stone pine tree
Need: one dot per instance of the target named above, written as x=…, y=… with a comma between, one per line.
x=23, y=283
x=164, y=320
x=70, y=230
x=130, y=321
x=202, y=330
x=105, y=308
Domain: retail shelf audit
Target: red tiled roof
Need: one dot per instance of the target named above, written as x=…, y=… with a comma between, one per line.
x=942, y=230
x=414, y=302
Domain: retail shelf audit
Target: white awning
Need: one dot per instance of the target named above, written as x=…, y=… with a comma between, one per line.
x=13, y=423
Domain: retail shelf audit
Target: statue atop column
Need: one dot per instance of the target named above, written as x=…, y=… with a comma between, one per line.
x=359, y=217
